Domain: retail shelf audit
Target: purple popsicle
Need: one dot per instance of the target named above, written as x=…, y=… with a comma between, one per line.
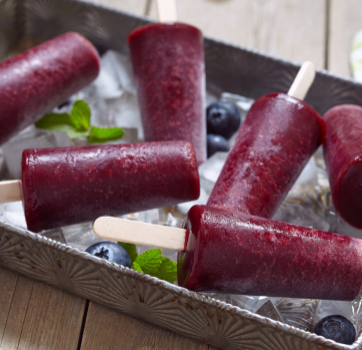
x=168, y=65
x=65, y=186
x=37, y=80
x=221, y=251
x=276, y=140
x=343, y=155
x=237, y=253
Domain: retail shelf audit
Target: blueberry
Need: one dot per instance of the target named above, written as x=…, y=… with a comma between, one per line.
x=337, y=328
x=65, y=103
x=216, y=143
x=110, y=251
x=222, y=118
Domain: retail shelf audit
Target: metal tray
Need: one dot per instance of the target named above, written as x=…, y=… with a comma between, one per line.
x=24, y=23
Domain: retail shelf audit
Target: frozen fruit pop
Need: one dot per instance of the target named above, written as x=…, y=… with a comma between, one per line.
x=168, y=66
x=37, y=80
x=64, y=186
x=276, y=140
x=221, y=251
x=343, y=155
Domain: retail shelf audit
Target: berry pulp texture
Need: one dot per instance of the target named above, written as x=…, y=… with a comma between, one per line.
x=168, y=65
x=276, y=140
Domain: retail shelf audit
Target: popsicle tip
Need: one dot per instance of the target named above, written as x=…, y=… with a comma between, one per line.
x=166, y=10
x=99, y=225
x=303, y=80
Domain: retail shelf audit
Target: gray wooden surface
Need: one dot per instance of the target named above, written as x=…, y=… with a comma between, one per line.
x=36, y=316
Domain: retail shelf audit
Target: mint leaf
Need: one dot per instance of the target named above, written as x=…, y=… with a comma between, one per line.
x=54, y=121
x=149, y=261
x=99, y=135
x=130, y=249
x=167, y=270
x=136, y=267
x=59, y=122
x=80, y=115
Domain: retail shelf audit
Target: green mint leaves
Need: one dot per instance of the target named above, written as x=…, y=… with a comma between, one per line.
x=77, y=124
x=98, y=135
x=152, y=262
x=130, y=249
x=80, y=116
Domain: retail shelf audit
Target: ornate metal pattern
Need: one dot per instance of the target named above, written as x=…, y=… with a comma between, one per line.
x=229, y=68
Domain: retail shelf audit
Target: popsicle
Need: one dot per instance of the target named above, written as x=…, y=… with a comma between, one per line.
x=221, y=251
x=168, y=66
x=343, y=155
x=276, y=140
x=65, y=186
x=37, y=80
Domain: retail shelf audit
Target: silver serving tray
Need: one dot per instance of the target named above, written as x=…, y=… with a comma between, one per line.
x=24, y=23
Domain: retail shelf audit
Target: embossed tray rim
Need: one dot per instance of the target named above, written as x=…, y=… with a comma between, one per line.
x=179, y=291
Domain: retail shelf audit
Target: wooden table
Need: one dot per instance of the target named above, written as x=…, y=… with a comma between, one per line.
x=36, y=316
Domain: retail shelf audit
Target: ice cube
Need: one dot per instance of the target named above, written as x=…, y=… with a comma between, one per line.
x=185, y=207
x=115, y=76
x=126, y=113
x=338, y=225
x=210, y=170
x=13, y=213
x=294, y=212
x=80, y=236
x=30, y=137
x=243, y=103
x=309, y=174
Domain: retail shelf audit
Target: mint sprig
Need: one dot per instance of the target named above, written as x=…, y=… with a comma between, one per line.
x=80, y=115
x=77, y=124
x=152, y=262
x=130, y=249
x=99, y=135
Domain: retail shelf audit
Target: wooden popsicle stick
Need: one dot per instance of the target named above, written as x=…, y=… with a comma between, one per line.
x=303, y=81
x=166, y=10
x=10, y=191
x=136, y=232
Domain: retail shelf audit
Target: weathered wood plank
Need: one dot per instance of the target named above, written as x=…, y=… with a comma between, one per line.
x=345, y=21
x=16, y=317
x=8, y=281
x=108, y=329
x=36, y=316
x=287, y=28
x=135, y=6
x=290, y=29
x=53, y=319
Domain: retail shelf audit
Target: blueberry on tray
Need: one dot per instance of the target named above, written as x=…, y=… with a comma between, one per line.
x=337, y=328
x=222, y=118
x=216, y=143
x=110, y=251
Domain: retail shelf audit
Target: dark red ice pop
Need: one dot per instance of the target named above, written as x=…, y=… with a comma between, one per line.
x=168, y=65
x=275, y=142
x=343, y=155
x=64, y=186
x=221, y=251
x=37, y=80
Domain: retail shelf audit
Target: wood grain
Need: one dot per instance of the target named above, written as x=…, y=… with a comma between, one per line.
x=345, y=21
x=108, y=329
x=290, y=29
x=134, y=6
x=36, y=316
